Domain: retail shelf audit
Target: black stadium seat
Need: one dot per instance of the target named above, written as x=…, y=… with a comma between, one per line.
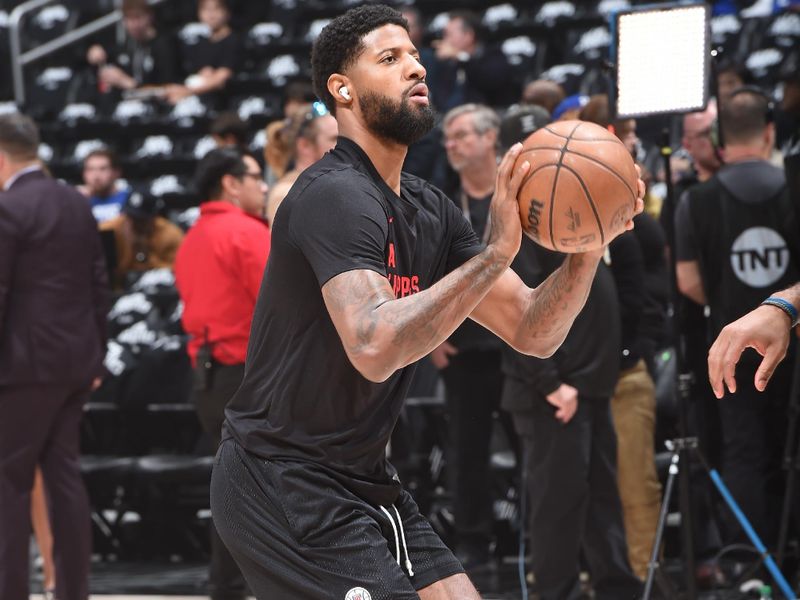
x=48, y=23
x=261, y=39
x=257, y=109
x=77, y=152
x=49, y=90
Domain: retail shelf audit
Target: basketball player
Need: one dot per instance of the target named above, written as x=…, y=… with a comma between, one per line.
x=370, y=269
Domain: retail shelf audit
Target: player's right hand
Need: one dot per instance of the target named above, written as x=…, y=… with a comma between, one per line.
x=506, y=227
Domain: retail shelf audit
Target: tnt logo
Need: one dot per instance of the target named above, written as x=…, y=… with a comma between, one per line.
x=759, y=257
x=358, y=593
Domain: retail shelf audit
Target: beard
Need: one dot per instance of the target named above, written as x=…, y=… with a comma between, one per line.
x=396, y=121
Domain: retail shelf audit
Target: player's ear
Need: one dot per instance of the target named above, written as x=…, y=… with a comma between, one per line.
x=340, y=88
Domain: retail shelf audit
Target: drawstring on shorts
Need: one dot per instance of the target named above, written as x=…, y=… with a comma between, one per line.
x=397, y=539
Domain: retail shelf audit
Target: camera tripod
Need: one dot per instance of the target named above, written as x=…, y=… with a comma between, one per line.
x=680, y=449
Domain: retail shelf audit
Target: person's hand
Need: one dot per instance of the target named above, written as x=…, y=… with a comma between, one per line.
x=765, y=329
x=506, y=227
x=96, y=383
x=175, y=93
x=114, y=76
x=96, y=55
x=440, y=356
x=642, y=190
x=565, y=399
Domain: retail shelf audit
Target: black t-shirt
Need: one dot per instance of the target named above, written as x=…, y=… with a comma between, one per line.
x=470, y=335
x=150, y=63
x=215, y=54
x=301, y=398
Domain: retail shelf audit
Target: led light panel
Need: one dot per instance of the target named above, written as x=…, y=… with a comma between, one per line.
x=662, y=60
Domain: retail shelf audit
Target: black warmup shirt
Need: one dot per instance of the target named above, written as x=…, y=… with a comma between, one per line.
x=151, y=62
x=216, y=54
x=301, y=398
x=470, y=335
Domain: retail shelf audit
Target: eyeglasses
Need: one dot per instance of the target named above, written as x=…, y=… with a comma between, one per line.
x=458, y=136
x=256, y=176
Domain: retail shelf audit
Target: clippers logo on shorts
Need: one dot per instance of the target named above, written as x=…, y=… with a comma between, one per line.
x=759, y=257
x=358, y=593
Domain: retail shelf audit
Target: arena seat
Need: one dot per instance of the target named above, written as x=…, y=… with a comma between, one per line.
x=49, y=90
x=257, y=109
x=174, y=189
x=192, y=114
x=48, y=23
x=261, y=39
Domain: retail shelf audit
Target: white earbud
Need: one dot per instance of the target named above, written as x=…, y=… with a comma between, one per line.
x=344, y=92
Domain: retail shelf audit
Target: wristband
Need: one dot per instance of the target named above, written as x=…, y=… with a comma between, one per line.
x=784, y=305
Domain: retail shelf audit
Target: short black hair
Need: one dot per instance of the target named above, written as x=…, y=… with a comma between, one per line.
x=744, y=115
x=19, y=137
x=214, y=166
x=229, y=123
x=341, y=42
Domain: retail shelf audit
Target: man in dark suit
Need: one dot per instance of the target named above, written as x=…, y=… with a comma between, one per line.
x=53, y=304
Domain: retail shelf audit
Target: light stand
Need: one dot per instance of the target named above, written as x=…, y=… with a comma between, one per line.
x=666, y=49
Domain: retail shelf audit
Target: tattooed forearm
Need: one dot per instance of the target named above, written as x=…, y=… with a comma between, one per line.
x=557, y=301
x=425, y=320
x=381, y=334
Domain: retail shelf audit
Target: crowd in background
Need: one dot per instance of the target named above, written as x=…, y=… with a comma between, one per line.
x=584, y=425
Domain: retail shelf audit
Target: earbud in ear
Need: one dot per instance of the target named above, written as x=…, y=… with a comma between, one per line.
x=344, y=92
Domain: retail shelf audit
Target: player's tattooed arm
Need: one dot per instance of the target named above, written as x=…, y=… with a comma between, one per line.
x=381, y=334
x=536, y=321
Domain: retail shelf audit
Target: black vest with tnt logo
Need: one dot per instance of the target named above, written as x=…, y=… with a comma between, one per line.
x=747, y=249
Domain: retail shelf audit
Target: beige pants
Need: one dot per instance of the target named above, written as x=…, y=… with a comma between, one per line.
x=633, y=409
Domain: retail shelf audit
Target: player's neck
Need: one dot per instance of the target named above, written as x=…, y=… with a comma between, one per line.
x=387, y=157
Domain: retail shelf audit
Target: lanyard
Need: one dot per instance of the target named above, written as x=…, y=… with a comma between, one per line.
x=467, y=215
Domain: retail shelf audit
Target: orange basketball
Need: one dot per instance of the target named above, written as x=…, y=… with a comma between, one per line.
x=580, y=189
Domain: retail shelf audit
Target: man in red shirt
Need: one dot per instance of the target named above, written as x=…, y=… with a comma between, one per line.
x=218, y=272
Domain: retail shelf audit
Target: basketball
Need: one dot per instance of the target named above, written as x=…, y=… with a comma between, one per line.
x=581, y=188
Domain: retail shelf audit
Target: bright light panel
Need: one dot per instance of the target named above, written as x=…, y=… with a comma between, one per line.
x=662, y=60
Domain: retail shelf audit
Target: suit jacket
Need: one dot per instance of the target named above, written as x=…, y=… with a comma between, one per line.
x=53, y=285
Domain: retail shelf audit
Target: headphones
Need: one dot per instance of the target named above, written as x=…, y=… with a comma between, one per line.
x=717, y=141
x=344, y=92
